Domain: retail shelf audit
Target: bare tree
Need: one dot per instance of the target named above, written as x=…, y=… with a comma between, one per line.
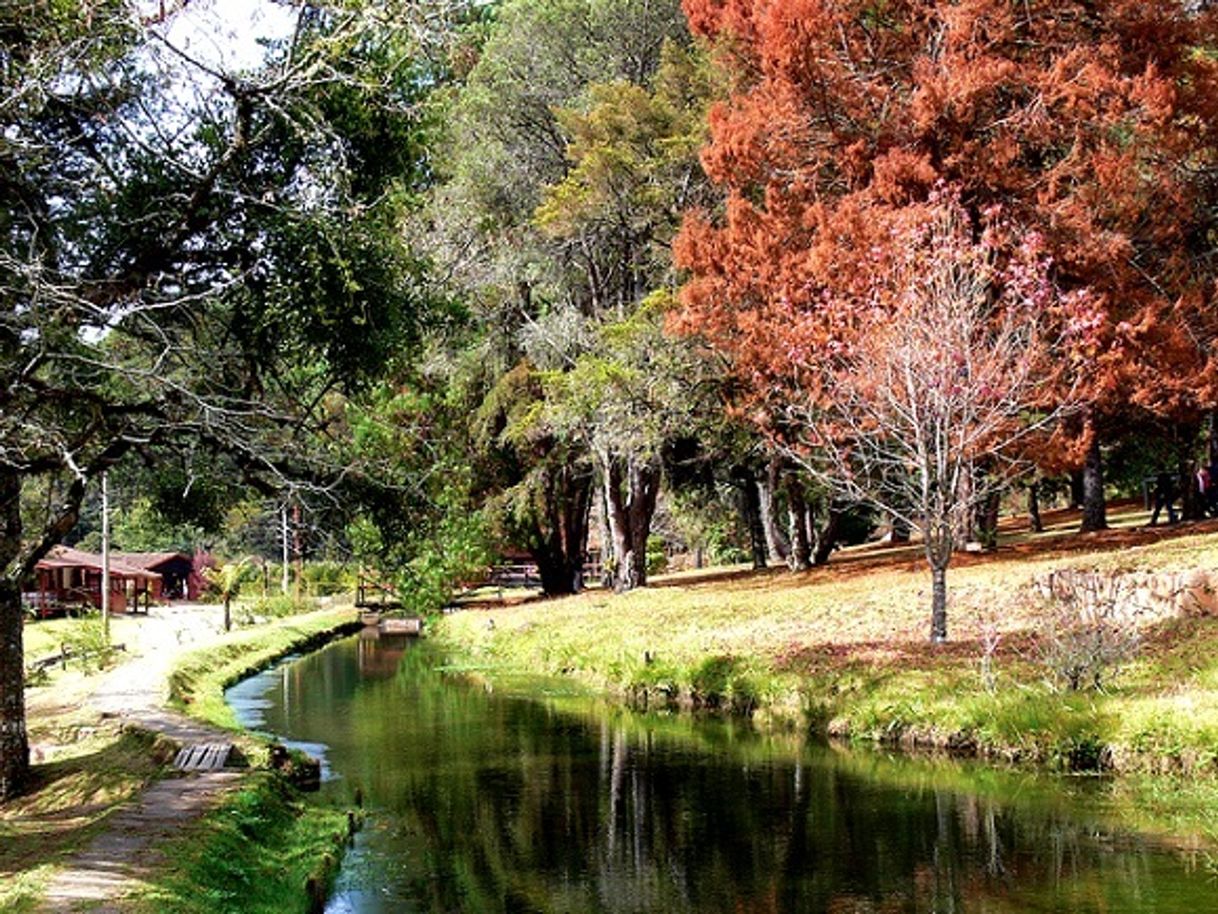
x=930, y=408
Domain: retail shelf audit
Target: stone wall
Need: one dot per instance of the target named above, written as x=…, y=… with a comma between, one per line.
x=1149, y=596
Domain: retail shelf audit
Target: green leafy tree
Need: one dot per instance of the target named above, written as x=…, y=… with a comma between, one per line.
x=418, y=525
x=181, y=269
x=625, y=388
x=575, y=140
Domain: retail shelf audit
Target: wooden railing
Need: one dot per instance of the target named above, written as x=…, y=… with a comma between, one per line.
x=517, y=574
x=376, y=595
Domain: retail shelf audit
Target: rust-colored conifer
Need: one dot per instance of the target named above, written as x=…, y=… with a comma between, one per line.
x=1093, y=124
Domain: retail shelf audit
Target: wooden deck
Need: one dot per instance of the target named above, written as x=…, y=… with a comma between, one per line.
x=401, y=626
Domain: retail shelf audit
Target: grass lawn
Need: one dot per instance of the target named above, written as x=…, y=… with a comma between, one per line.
x=845, y=648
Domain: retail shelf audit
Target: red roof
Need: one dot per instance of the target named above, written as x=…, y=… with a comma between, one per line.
x=67, y=557
x=147, y=560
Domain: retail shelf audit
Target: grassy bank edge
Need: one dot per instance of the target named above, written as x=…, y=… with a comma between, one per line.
x=1149, y=726
x=199, y=678
x=263, y=849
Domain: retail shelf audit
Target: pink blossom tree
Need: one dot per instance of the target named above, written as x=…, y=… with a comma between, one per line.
x=950, y=368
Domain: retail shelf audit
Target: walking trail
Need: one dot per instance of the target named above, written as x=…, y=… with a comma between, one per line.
x=115, y=863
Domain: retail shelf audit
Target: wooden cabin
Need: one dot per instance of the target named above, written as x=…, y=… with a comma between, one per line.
x=175, y=568
x=69, y=577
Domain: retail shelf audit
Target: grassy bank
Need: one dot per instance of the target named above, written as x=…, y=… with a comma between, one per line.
x=843, y=650
x=199, y=678
x=263, y=851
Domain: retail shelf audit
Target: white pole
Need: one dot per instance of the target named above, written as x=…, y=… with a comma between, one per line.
x=105, y=570
x=284, y=517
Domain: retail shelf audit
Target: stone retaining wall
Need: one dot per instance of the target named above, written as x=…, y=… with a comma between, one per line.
x=1149, y=596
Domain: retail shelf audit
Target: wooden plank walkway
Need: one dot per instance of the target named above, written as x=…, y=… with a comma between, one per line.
x=101, y=876
x=203, y=757
x=401, y=626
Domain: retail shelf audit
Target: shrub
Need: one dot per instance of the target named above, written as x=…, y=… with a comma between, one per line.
x=720, y=681
x=86, y=640
x=1090, y=628
x=277, y=606
x=657, y=558
x=324, y=579
x=711, y=679
x=990, y=639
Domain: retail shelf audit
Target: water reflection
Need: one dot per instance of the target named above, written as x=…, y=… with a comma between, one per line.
x=485, y=802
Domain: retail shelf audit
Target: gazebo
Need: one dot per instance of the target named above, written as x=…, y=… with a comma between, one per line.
x=175, y=568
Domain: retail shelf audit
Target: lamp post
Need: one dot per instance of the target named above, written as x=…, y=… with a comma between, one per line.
x=105, y=569
x=284, y=518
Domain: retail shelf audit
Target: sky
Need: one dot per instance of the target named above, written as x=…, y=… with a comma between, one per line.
x=224, y=34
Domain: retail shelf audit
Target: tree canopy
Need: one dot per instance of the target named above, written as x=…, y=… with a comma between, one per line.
x=184, y=253
x=1089, y=125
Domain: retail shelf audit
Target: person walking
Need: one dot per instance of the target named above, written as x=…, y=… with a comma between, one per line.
x=1165, y=495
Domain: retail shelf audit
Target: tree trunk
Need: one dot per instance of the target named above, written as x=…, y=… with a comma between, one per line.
x=797, y=517
x=1192, y=505
x=228, y=616
x=750, y=507
x=297, y=552
x=561, y=538
x=1076, y=489
x=938, y=601
x=1035, y=524
x=985, y=521
x=14, y=744
x=776, y=544
x=826, y=536
x=939, y=538
x=558, y=572
x=609, y=557
x=1095, y=513
x=631, y=489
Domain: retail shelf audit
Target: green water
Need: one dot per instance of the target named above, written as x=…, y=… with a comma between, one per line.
x=535, y=800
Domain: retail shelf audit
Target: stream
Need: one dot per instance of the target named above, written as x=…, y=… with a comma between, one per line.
x=533, y=797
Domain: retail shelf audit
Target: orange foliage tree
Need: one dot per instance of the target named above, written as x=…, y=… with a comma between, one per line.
x=1091, y=123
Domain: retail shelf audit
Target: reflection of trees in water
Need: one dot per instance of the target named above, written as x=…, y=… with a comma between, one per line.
x=511, y=806
x=379, y=655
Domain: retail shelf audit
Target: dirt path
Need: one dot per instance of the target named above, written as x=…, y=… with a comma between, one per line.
x=113, y=865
